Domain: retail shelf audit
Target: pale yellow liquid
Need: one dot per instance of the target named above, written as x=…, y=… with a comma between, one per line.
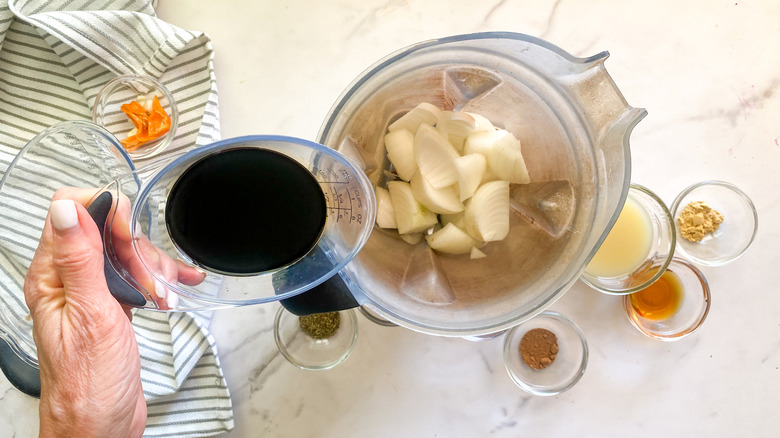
x=627, y=244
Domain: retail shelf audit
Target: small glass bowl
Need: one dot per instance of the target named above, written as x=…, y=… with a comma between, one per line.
x=124, y=89
x=308, y=353
x=733, y=237
x=569, y=364
x=659, y=256
x=693, y=309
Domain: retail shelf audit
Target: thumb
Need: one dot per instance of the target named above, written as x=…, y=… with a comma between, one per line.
x=77, y=250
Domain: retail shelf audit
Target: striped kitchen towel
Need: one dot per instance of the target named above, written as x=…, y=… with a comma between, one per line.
x=54, y=58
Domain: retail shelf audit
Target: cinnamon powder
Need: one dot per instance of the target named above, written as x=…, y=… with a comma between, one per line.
x=538, y=348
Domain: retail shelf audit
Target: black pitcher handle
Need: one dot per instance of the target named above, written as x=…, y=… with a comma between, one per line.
x=119, y=287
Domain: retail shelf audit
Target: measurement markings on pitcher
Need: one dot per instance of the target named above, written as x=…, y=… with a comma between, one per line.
x=86, y=158
x=337, y=204
x=341, y=203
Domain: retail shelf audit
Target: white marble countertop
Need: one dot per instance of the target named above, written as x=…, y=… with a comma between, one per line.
x=708, y=72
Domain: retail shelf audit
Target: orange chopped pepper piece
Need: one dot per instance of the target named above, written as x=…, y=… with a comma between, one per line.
x=149, y=125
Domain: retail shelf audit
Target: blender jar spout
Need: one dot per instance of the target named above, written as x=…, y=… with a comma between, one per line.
x=602, y=104
x=610, y=120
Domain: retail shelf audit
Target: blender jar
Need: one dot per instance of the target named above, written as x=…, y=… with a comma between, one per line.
x=573, y=124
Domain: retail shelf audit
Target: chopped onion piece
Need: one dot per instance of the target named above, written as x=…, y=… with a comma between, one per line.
x=442, y=201
x=435, y=157
x=487, y=212
x=470, y=169
x=451, y=240
x=482, y=123
x=506, y=160
x=424, y=113
x=477, y=254
x=385, y=213
x=480, y=142
x=400, y=151
x=410, y=215
x=455, y=126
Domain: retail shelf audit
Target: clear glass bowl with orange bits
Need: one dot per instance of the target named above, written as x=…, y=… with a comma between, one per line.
x=139, y=111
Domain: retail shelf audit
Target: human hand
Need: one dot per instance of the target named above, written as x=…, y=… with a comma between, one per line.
x=149, y=266
x=87, y=353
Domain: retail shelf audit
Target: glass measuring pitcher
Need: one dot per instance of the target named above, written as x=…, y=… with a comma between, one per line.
x=258, y=210
x=241, y=221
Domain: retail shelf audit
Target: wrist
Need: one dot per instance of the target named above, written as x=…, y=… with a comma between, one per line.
x=64, y=417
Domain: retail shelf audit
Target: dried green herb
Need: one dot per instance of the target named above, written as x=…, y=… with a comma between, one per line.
x=320, y=325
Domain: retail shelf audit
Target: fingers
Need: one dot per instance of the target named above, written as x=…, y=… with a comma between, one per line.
x=189, y=275
x=42, y=283
x=130, y=253
x=158, y=262
x=119, y=219
x=77, y=251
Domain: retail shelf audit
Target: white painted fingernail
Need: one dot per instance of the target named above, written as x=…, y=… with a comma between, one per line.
x=63, y=214
x=137, y=231
x=160, y=289
x=172, y=300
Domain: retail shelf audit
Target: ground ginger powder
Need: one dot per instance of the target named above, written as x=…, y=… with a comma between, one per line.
x=697, y=220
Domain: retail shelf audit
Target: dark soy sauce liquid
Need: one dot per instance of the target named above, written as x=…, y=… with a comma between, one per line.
x=245, y=211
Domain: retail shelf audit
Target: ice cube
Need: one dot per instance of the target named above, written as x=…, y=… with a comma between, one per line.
x=424, y=278
x=351, y=149
x=549, y=205
x=462, y=84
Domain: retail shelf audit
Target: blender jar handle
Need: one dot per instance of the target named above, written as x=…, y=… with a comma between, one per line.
x=22, y=375
x=330, y=296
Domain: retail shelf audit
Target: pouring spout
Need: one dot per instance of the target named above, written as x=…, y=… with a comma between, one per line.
x=603, y=106
x=597, y=58
x=610, y=120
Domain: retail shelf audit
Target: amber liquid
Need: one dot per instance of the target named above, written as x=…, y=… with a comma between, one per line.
x=661, y=299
